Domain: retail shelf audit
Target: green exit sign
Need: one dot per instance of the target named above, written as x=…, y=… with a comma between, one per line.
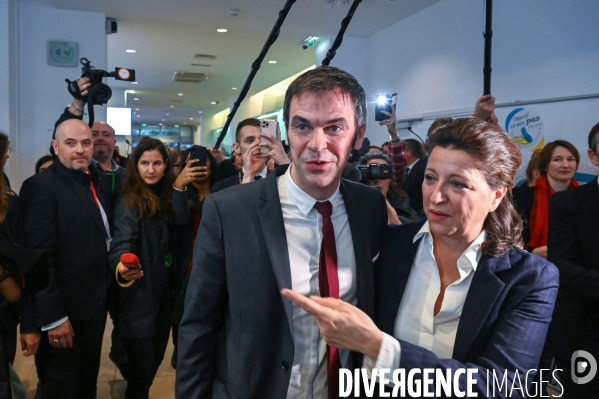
x=144, y=125
x=311, y=40
x=176, y=125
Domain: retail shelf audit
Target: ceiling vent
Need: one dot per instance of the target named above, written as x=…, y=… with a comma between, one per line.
x=189, y=77
x=201, y=65
x=204, y=57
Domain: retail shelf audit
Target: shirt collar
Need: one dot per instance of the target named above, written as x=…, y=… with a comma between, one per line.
x=303, y=200
x=410, y=166
x=472, y=254
x=261, y=174
x=115, y=166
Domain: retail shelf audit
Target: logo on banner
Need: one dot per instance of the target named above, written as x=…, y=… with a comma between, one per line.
x=525, y=127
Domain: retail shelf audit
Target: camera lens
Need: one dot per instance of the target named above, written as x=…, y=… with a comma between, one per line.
x=101, y=93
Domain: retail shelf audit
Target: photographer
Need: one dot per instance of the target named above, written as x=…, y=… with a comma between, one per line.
x=104, y=141
x=396, y=197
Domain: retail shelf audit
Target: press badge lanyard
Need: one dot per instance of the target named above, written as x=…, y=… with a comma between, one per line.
x=104, y=218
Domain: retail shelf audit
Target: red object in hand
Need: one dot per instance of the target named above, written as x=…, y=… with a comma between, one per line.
x=130, y=259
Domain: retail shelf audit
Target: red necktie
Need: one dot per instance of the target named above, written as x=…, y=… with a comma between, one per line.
x=328, y=282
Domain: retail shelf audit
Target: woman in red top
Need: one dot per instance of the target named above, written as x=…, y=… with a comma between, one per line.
x=558, y=163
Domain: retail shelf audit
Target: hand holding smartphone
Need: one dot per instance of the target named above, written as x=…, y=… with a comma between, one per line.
x=268, y=126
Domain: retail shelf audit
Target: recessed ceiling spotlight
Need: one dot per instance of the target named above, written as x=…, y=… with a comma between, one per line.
x=163, y=120
x=213, y=102
x=137, y=109
x=167, y=114
x=233, y=88
x=160, y=124
x=138, y=116
x=136, y=99
x=190, y=119
x=172, y=106
x=131, y=51
x=199, y=112
x=222, y=30
x=272, y=62
x=180, y=94
x=133, y=83
x=185, y=123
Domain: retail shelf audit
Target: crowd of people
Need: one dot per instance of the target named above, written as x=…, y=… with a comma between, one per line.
x=272, y=272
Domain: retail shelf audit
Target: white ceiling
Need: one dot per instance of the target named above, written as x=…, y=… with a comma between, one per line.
x=166, y=36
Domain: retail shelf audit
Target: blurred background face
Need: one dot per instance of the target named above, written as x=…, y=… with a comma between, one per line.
x=562, y=165
x=46, y=165
x=382, y=184
x=248, y=135
x=151, y=166
x=178, y=166
x=4, y=158
x=103, y=138
x=457, y=198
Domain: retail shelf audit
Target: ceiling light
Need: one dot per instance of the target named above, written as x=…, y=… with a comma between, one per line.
x=272, y=62
x=136, y=99
x=213, y=102
x=137, y=109
x=131, y=51
x=222, y=30
x=233, y=88
x=190, y=119
x=160, y=124
x=133, y=83
x=199, y=112
x=138, y=116
x=131, y=91
x=185, y=123
x=172, y=106
x=163, y=120
x=167, y=113
x=180, y=94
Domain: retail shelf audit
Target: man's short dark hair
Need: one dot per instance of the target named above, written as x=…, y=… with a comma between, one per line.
x=593, y=138
x=325, y=79
x=416, y=147
x=244, y=123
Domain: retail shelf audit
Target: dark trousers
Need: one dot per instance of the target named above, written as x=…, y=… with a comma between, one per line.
x=72, y=373
x=145, y=356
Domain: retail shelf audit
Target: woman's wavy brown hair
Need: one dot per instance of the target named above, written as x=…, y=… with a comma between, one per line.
x=138, y=193
x=3, y=198
x=498, y=158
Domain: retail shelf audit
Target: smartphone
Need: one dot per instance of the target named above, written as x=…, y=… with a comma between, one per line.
x=133, y=267
x=200, y=153
x=268, y=126
x=384, y=103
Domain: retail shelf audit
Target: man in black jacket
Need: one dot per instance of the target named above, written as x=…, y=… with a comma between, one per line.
x=66, y=211
x=573, y=247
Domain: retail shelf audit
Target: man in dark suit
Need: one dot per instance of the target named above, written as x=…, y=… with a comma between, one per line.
x=239, y=337
x=573, y=247
x=415, y=166
x=66, y=211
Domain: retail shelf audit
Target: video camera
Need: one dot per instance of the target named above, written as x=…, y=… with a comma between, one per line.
x=98, y=92
x=375, y=171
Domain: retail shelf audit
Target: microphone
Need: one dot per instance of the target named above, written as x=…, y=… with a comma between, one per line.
x=130, y=259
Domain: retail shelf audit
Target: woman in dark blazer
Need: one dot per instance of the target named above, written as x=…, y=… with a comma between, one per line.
x=143, y=300
x=455, y=291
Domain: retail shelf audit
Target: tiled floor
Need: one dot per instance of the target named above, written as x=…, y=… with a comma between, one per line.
x=110, y=382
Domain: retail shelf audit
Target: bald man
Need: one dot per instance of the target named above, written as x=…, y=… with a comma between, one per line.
x=103, y=139
x=66, y=211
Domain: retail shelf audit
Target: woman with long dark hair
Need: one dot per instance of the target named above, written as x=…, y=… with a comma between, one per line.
x=143, y=297
x=190, y=189
x=557, y=163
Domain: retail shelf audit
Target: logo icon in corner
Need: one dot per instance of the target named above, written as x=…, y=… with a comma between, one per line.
x=580, y=366
x=525, y=127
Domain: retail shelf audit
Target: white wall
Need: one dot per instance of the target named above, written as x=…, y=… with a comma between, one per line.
x=42, y=93
x=434, y=59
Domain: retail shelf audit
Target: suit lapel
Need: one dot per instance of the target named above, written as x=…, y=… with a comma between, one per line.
x=83, y=193
x=482, y=296
x=270, y=216
x=397, y=267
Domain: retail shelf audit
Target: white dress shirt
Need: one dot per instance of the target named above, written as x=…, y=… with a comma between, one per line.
x=411, y=166
x=303, y=229
x=415, y=322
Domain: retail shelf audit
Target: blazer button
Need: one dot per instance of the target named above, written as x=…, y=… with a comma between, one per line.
x=284, y=365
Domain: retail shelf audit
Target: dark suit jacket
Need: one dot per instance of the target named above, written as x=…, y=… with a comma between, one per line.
x=504, y=319
x=413, y=185
x=61, y=217
x=230, y=181
x=574, y=248
x=235, y=339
